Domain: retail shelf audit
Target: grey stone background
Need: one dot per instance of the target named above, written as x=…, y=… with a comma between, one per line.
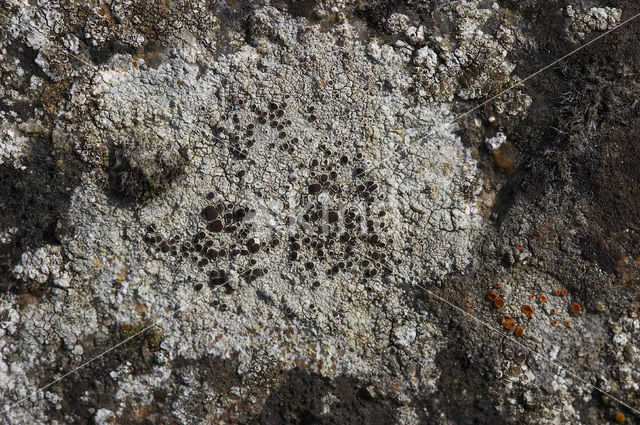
x=300, y=212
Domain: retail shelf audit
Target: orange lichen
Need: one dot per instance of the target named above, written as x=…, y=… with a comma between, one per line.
x=563, y=292
x=496, y=285
x=510, y=325
x=543, y=298
x=620, y=418
x=567, y=323
x=554, y=323
x=519, y=332
x=553, y=311
x=527, y=309
x=576, y=308
x=558, y=292
x=499, y=303
x=504, y=319
x=492, y=296
x=519, y=245
x=532, y=296
x=466, y=310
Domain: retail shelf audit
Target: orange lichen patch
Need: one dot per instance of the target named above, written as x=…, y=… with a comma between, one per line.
x=466, y=310
x=576, y=308
x=504, y=319
x=567, y=323
x=496, y=285
x=620, y=418
x=519, y=332
x=553, y=311
x=510, y=325
x=499, y=303
x=527, y=309
x=563, y=292
x=519, y=245
x=558, y=292
x=543, y=298
x=554, y=323
x=532, y=296
x=492, y=296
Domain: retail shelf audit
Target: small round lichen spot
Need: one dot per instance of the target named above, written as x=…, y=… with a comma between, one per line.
x=576, y=308
x=527, y=310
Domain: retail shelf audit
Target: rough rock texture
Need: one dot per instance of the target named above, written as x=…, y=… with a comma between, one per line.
x=282, y=212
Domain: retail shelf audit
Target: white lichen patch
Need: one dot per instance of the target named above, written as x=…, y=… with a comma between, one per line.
x=466, y=61
x=583, y=21
x=427, y=190
x=35, y=335
x=626, y=350
x=496, y=141
x=39, y=266
x=307, y=141
x=12, y=143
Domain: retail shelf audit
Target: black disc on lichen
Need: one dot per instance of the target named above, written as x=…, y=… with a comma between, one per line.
x=145, y=165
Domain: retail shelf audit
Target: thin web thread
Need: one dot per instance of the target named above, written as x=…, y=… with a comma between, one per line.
x=494, y=97
x=542, y=356
x=143, y=330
